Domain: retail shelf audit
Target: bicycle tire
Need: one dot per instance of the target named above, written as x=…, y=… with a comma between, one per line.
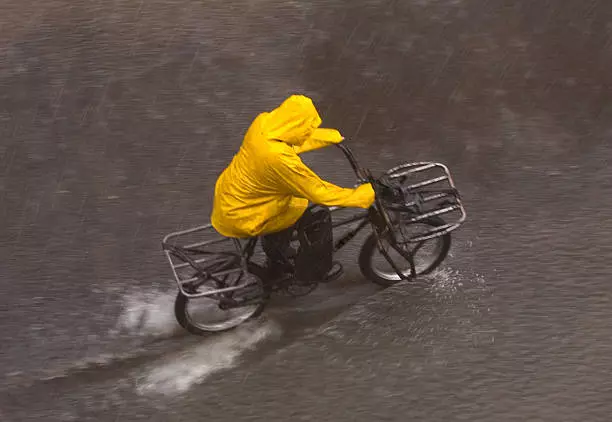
x=183, y=318
x=370, y=246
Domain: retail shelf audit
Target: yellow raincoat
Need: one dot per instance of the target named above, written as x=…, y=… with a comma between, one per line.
x=266, y=188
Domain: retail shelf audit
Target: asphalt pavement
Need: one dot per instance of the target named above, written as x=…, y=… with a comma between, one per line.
x=116, y=117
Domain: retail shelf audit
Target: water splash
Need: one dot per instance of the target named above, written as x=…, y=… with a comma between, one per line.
x=148, y=314
x=178, y=373
x=445, y=281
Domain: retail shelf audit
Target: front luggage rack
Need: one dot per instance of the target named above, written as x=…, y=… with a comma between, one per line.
x=429, y=191
x=197, y=263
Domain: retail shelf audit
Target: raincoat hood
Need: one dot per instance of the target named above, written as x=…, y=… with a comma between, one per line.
x=294, y=121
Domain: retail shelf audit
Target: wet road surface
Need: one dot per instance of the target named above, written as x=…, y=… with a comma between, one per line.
x=116, y=118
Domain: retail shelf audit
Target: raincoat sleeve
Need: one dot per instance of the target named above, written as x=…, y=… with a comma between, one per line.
x=321, y=138
x=301, y=181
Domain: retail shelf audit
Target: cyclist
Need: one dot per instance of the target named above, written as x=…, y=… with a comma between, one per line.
x=266, y=189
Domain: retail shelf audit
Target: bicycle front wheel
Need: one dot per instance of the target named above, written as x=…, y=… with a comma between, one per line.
x=428, y=256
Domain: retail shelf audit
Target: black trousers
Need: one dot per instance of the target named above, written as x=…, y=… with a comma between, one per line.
x=277, y=246
x=314, y=258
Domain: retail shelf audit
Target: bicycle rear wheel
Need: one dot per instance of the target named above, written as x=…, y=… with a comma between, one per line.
x=203, y=315
x=428, y=256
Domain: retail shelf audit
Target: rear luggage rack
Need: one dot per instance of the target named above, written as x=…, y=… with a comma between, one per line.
x=429, y=191
x=197, y=263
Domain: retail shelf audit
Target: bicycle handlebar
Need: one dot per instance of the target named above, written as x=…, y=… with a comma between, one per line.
x=364, y=175
x=352, y=161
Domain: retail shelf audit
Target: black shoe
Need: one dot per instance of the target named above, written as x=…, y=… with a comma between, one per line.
x=335, y=273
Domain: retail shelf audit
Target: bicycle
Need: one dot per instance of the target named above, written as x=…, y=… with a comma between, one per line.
x=234, y=283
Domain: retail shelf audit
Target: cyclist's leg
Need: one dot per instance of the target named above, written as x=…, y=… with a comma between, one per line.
x=277, y=246
x=314, y=261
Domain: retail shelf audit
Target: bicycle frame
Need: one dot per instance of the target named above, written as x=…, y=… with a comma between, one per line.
x=227, y=263
x=243, y=254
